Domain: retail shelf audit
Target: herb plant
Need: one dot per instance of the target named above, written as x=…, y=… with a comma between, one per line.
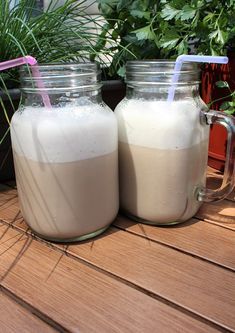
x=209, y=23
x=146, y=29
x=64, y=33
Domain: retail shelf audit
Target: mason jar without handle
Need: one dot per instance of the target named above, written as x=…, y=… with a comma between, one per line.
x=163, y=145
x=65, y=154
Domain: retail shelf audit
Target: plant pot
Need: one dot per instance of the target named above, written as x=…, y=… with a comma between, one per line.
x=210, y=92
x=113, y=91
x=6, y=158
x=217, y=147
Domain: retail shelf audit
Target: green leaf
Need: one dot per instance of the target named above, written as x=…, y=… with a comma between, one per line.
x=230, y=112
x=222, y=36
x=140, y=14
x=170, y=39
x=169, y=12
x=222, y=84
x=114, y=35
x=208, y=17
x=213, y=34
x=182, y=47
x=107, y=7
x=144, y=33
x=122, y=71
x=141, y=5
x=225, y=106
x=219, y=35
x=187, y=13
x=123, y=4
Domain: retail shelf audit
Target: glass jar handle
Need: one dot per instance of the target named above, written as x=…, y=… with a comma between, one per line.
x=207, y=195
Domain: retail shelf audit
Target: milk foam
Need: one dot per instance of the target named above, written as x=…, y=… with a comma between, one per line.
x=65, y=134
x=160, y=124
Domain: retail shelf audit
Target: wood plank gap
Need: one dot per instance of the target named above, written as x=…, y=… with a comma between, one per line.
x=218, y=224
x=42, y=316
x=176, y=249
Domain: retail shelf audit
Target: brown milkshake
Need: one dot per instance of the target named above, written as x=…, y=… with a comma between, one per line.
x=159, y=185
x=65, y=198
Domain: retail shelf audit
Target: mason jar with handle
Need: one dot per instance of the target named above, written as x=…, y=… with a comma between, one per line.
x=163, y=145
x=64, y=141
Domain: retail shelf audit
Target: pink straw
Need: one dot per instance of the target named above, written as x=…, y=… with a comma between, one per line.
x=35, y=71
x=36, y=74
x=17, y=62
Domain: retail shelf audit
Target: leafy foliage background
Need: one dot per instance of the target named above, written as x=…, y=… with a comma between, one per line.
x=146, y=29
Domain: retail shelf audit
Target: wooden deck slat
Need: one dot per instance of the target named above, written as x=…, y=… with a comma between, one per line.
x=192, y=283
x=187, y=270
x=195, y=237
x=9, y=205
x=80, y=298
x=200, y=239
x=221, y=213
x=14, y=318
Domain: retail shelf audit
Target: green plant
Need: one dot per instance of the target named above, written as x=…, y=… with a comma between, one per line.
x=210, y=23
x=146, y=29
x=133, y=25
x=227, y=106
x=64, y=33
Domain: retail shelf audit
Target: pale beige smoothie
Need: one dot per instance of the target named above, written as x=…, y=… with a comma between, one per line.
x=162, y=159
x=66, y=170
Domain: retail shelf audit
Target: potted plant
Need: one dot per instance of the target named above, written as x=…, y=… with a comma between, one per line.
x=167, y=28
x=59, y=34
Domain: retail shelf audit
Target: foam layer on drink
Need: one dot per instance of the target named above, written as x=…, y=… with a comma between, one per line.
x=65, y=134
x=160, y=124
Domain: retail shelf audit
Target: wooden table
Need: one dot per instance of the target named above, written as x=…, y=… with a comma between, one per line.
x=133, y=278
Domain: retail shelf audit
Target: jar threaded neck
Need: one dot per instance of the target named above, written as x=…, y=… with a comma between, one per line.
x=160, y=72
x=54, y=78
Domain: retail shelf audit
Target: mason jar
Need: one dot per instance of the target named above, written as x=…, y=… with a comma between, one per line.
x=64, y=141
x=163, y=129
